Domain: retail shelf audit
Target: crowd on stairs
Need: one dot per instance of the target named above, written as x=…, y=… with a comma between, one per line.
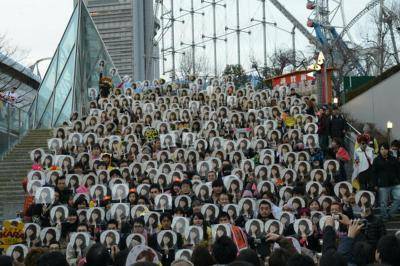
x=208, y=173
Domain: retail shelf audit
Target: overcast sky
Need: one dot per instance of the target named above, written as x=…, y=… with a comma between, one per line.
x=37, y=25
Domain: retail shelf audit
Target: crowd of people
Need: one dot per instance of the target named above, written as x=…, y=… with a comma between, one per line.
x=207, y=173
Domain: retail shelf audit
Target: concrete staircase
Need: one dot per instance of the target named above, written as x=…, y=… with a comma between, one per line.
x=14, y=168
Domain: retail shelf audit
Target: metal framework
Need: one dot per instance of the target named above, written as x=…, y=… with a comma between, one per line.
x=326, y=36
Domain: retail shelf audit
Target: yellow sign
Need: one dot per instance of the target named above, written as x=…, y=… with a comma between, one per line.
x=12, y=233
x=290, y=121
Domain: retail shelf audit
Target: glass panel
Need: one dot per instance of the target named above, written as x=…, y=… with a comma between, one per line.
x=67, y=41
x=94, y=52
x=46, y=88
x=65, y=112
x=45, y=122
x=64, y=85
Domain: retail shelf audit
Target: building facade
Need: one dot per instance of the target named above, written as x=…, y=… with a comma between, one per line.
x=127, y=28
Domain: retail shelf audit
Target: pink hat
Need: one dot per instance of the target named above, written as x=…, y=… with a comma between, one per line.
x=82, y=190
x=247, y=194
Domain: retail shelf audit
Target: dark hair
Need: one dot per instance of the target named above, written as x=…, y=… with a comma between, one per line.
x=165, y=215
x=201, y=257
x=5, y=260
x=300, y=260
x=240, y=263
x=388, y=248
x=112, y=221
x=332, y=258
x=278, y=257
x=120, y=258
x=144, y=263
x=337, y=141
x=224, y=215
x=32, y=257
x=384, y=145
x=224, y=250
x=250, y=256
x=139, y=220
x=97, y=255
x=52, y=258
x=363, y=253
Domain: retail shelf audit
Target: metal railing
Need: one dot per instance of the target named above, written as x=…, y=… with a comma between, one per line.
x=15, y=122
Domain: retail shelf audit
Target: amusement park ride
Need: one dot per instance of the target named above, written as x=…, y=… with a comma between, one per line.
x=330, y=32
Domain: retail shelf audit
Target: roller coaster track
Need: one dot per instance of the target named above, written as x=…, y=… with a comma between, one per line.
x=370, y=6
x=296, y=23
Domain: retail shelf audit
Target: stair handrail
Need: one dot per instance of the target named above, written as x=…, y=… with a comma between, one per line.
x=16, y=124
x=353, y=128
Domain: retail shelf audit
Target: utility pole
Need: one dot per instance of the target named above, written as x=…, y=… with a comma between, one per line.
x=381, y=37
x=294, y=46
x=238, y=31
x=214, y=6
x=264, y=23
x=214, y=38
x=162, y=37
x=193, y=45
x=173, y=41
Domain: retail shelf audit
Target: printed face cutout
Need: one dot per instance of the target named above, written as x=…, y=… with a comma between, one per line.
x=210, y=212
x=219, y=230
x=274, y=227
x=163, y=202
x=254, y=228
x=166, y=239
x=232, y=210
x=311, y=141
x=17, y=252
x=180, y=224
x=44, y=195
x=134, y=240
x=109, y=238
x=58, y=214
x=49, y=235
x=365, y=199
x=31, y=232
x=343, y=189
x=303, y=227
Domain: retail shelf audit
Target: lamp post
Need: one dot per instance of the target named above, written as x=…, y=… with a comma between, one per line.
x=335, y=100
x=389, y=126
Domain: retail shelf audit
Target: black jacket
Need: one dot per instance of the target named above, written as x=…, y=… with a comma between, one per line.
x=374, y=230
x=336, y=126
x=386, y=171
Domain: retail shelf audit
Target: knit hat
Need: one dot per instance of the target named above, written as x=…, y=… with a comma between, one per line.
x=247, y=194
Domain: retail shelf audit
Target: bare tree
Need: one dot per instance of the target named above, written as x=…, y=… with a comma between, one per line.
x=9, y=55
x=279, y=61
x=202, y=65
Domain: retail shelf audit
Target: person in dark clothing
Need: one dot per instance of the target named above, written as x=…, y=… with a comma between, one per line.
x=387, y=251
x=337, y=125
x=387, y=178
x=323, y=129
x=224, y=250
x=54, y=258
x=62, y=189
x=374, y=227
x=168, y=256
x=330, y=256
x=300, y=260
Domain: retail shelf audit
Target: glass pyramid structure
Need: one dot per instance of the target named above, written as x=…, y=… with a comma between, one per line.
x=74, y=69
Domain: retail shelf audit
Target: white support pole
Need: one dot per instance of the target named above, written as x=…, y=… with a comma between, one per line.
x=173, y=75
x=193, y=44
x=264, y=22
x=214, y=5
x=238, y=30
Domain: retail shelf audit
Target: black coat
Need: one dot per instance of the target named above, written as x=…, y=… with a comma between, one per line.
x=386, y=171
x=336, y=126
